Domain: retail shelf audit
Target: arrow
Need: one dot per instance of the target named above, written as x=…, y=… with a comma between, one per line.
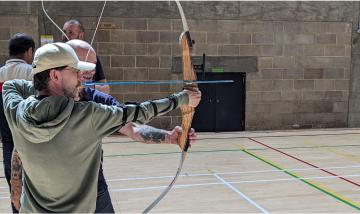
x=151, y=83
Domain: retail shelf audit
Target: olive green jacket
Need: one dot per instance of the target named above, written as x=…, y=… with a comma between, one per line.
x=59, y=143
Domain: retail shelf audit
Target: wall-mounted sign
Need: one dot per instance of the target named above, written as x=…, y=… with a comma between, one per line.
x=46, y=39
x=218, y=70
x=107, y=25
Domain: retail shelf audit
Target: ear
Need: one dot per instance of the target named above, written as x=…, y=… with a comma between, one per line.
x=54, y=75
x=82, y=36
x=29, y=52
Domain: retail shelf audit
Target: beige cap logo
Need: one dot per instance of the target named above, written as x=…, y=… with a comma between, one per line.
x=57, y=55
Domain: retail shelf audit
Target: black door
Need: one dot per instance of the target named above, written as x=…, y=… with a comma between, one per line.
x=222, y=105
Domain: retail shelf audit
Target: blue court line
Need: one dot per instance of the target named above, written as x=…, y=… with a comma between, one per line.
x=232, y=182
x=240, y=193
x=226, y=173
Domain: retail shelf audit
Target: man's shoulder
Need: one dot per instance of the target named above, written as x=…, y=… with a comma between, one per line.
x=2, y=68
x=17, y=63
x=15, y=70
x=23, y=66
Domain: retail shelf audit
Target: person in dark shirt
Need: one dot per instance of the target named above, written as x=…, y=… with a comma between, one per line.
x=74, y=29
x=141, y=133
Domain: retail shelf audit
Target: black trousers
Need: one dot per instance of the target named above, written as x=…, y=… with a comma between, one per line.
x=7, y=147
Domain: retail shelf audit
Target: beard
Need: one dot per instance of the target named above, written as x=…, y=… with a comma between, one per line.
x=71, y=92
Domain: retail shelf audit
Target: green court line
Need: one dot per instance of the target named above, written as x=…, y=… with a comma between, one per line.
x=165, y=153
x=322, y=190
x=311, y=147
x=230, y=150
x=342, y=145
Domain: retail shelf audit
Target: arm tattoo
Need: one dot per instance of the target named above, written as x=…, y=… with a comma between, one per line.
x=153, y=135
x=16, y=166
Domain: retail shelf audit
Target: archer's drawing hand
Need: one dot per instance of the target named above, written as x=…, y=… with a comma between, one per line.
x=194, y=97
x=174, y=135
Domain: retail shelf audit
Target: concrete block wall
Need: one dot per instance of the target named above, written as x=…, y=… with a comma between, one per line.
x=299, y=63
x=303, y=49
x=303, y=67
x=303, y=78
x=12, y=24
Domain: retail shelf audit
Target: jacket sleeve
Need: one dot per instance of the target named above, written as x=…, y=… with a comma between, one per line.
x=108, y=119
x=15, y=91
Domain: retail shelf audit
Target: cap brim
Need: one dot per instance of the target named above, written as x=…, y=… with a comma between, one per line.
x=84, y=66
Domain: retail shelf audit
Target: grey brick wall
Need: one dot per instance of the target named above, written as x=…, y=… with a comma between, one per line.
x=301, y=80
x=12, y=24
x=302, y=63
x=306, y=52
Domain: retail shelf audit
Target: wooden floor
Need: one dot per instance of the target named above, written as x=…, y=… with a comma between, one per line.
x=304, y=171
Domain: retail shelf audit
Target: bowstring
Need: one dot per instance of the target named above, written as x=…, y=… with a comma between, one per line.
x=92, y=40
x=42, y=2
x=172, y=47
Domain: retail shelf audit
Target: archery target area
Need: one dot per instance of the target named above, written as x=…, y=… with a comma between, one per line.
x=307, y=171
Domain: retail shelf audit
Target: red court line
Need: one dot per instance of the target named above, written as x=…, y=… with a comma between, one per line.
x=305, y=162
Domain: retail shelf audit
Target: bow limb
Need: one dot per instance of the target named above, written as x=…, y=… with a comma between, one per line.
x=189, y=74
x=170, y=185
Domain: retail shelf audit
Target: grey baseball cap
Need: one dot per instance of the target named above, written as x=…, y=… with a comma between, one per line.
x=56, y=55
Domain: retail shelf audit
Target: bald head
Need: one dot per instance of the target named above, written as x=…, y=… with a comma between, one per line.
x=81, y=49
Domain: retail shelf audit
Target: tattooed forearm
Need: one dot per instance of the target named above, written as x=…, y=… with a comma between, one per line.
x=153, y=135
x=16, y=167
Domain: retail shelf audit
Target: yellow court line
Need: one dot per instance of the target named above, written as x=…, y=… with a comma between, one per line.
x=168, y=146
x=324, y=188
x=331, y=151
x=315, y=184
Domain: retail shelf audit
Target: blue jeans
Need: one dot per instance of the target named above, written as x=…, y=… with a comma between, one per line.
x=103, y=203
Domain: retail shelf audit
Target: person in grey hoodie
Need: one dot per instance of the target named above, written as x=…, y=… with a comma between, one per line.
x=58, y=139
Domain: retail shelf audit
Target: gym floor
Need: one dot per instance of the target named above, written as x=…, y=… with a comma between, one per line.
x=302, y=171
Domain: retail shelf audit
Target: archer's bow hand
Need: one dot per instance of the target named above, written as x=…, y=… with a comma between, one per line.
x=194, y=97
x=174, y=134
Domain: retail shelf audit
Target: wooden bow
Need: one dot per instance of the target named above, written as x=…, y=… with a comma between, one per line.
x=189, y=75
